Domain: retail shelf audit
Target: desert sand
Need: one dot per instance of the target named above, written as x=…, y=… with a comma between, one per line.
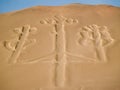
x=70, y=47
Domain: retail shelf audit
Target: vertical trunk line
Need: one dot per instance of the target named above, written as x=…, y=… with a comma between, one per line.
x=101, y=54
x=99, y=47
x=60, y=57
x=20, y=44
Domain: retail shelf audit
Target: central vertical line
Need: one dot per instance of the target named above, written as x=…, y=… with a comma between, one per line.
x=60, y=55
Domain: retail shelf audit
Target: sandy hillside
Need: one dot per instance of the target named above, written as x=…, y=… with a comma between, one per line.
x=70, y=47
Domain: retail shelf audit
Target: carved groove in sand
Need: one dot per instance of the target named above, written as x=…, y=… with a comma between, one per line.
x=16, y=46
x=96, y=35
x=58, y=23
x=99, y=37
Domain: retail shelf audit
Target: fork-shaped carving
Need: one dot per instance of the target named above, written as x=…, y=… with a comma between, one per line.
x=58, y=23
